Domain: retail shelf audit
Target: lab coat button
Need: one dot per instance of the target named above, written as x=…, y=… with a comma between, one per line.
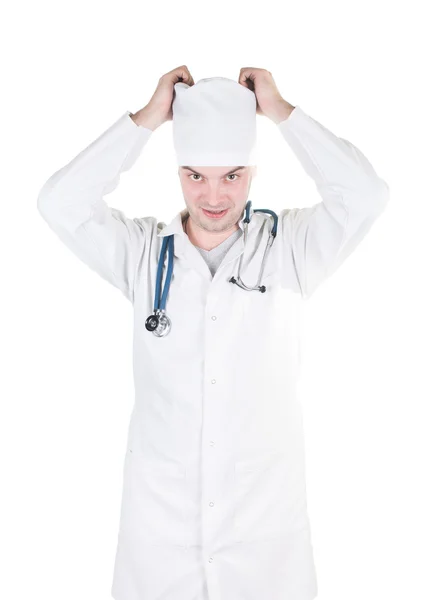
x=211, y=503
x=210, y=559
x=211, y=443
x=212, y=380
x=213, y=317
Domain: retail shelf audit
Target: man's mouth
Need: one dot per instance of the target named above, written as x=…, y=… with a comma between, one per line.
x=214, y=214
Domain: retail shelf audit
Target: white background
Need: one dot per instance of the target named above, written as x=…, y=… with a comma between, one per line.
x=362, y=69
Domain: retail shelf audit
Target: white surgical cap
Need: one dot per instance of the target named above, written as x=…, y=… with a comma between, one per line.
x=214, y=123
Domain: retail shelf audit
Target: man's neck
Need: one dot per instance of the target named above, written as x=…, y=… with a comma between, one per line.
x=203, y=239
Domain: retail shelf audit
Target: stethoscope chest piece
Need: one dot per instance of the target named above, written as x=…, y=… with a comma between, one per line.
x=158, y=323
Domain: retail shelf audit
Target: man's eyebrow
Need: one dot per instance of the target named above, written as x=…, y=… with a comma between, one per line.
x=233, y=171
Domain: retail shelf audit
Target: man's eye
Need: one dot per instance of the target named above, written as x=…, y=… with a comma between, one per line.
x=230, y=175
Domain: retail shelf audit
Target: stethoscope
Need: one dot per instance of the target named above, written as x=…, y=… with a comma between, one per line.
x=159, y=323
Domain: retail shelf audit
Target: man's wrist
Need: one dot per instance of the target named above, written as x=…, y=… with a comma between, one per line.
x=143, y=118
x=283, y=112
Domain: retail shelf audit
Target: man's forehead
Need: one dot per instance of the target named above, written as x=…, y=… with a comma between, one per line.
x=212, y=171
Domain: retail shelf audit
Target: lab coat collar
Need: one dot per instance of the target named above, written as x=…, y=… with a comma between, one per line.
x=176, y=227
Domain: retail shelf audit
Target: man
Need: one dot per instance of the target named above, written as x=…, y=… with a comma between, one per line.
x=214, y=502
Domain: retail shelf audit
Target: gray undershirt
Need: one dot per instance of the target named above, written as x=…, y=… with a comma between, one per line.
x=214, y=257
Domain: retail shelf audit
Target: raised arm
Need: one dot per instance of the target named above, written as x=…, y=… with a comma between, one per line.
x=72, y=203
x=72, y=200
x=320, y=237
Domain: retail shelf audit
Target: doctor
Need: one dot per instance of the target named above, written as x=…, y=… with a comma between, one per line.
x=214, y=503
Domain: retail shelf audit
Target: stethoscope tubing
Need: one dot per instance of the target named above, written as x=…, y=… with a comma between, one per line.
x=159, y=323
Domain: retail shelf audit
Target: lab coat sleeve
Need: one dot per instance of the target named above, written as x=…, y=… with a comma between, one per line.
x=72, y=203
x=317, y=239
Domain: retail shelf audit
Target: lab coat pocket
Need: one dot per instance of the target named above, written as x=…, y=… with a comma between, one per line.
x=153, y=500
x=264, y=499
x=258, y=305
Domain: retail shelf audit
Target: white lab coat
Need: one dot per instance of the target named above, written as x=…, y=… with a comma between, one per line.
x=214, y=502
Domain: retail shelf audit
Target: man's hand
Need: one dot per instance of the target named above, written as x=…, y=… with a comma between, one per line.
x=159, y=108
x=269, y=102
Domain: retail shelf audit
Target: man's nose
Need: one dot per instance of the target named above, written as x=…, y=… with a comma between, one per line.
x=216, y=195
x=215, y=199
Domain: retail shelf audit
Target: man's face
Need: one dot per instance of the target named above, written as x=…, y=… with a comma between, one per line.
x=215, y=189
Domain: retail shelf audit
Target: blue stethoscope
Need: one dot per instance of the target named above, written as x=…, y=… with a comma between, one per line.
x=159, y=323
